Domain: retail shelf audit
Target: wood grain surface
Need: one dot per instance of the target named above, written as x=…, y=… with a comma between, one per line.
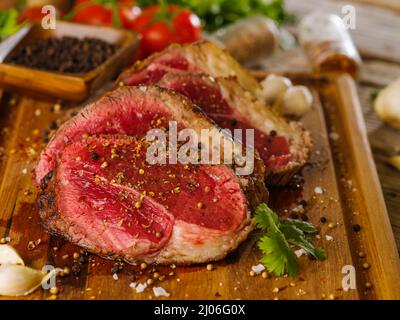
x=342, y=167
x=377, y=37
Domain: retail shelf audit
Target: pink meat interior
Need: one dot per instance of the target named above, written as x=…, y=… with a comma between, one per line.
x=107, y=190
x=272, y=147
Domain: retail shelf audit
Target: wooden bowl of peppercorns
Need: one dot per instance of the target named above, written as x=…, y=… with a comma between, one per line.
x=68, y=62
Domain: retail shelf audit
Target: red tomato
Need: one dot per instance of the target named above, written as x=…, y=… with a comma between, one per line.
x=157, y=37
x=159, y=29
x=95, y=14
x=188, y=26
x=102, y=14
x=32, y=14
x=128, y=12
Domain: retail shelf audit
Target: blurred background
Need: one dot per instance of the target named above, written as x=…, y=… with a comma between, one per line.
x=267, y=35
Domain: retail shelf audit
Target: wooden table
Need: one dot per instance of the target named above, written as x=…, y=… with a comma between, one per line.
x=377, y=37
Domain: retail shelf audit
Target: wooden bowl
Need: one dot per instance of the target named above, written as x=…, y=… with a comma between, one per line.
x=67, y=86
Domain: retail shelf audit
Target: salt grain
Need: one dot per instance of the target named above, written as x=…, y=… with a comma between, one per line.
x=160, y=292
x=318, y=190
x=258, y=268
x=115, y=276
x=334, y=136
x=140, y=287
x=328, y=238
x=299, y=253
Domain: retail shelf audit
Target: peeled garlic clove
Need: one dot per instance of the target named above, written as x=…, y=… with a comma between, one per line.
x=274, y=86
x=296, y=101
x=387, y=104
x=394, y=161
x=17, y=280
x=8, y=255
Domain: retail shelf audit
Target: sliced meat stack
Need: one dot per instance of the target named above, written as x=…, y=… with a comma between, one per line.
x=100, y=192
x=228, y=94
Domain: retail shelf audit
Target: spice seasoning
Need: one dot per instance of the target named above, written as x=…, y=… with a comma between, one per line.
x=66, y=54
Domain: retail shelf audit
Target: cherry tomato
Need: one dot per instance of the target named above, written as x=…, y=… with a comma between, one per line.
x=95, y=14
x=159, y=28
x=188, y=26
x=32, y=14
x=102, y=14
x=157, y=37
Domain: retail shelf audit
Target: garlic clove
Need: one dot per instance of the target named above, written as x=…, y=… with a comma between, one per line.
x=17, y=280
x=296, y=101
x=273, y=87
x=8, y=255
x=387, y=104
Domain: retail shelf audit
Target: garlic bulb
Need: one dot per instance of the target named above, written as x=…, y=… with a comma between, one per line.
x=387, y=104
x=273, y=87
x=15, y=278
x=296, y=101
x=8, y=255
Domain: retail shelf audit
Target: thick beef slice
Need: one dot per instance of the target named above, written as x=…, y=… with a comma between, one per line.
x=228, y=95
x=215, y=98
x=202, y=57
x=100, y=192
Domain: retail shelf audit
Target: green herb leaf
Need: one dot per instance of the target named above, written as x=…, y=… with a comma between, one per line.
x=302, y=225
x=276, y=244
x=278, y=257
x=8, y=23
x=265, y=218
x=218, y=13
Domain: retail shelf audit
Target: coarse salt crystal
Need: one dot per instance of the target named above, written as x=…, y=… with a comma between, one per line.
x=318, y=190
x=115, y=276
x=258, y=268
x=334, y=136
x=328, y=238
x=299, y=252
x=133, y=285
x=160, y=292
x=24, y=171
x=140, y=287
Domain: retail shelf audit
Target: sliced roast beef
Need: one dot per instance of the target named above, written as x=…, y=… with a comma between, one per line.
x=202, y=57
x=284, y=147
x=100, y=192
x=232, y=102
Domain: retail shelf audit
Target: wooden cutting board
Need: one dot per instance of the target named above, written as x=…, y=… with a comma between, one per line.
x=341, y=165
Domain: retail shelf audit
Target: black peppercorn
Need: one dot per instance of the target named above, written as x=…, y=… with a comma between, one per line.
x=76, y=269
x=53, y=125
x=304, y=217
x=323, y=219
x=233, y=122
x=294, y=215
x=115, y=269
x=356, y=227
x=303, y=203
x=94, y=156
x=66, y=54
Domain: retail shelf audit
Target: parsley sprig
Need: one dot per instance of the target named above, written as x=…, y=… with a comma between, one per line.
x=279, y=239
